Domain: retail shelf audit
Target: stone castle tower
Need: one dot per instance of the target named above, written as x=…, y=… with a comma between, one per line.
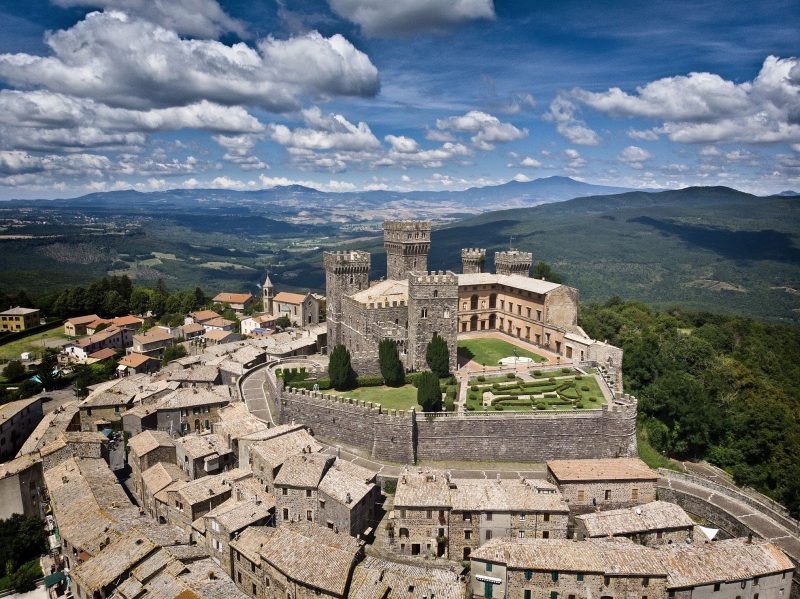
x=472, y=260
x=407, y=243
x=267, y=295
x=432, y=308
x=513, y=262
x=345, y=273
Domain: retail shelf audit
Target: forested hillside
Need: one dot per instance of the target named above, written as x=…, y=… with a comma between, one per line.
x=722, y=388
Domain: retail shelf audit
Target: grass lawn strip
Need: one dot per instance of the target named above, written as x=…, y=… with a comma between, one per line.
x=393, y=398
x=13, y=349
x=490, y=351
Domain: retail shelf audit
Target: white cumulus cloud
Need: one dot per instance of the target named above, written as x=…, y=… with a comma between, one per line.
x=487, y=129
x=563, y=113
x=634, y=156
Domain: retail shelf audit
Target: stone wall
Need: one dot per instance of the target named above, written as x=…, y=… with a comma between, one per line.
x=606, y=433
x=387, y=434
x=404, y=437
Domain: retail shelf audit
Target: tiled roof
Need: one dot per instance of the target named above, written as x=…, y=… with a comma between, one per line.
x=601, y=470
x=235, y=515
x=199, y=446
x=203, y=315
x=134, y=360
x=303, y=470
x=514, y=281
x=12, y=408
x=197, y=373
x=192, y=327
x=311, y=555
x=285, y=297
x=218, y=322
x=110, y=398
x=503, y=496
x=147, y=441
x=276, y=450
x=79, y=320
x=153, y=335
x=18, y=464
x=250, y=541
x=657, y=515
x=189, y=397
x=218, y=335
x=383, y=291
x=429, y=489
x=103, y=354
x=113, y=561
x=19, y=311
x=122, y=321
x=376, y=577
x=232, y=298
x=161, y=475
x=722, y=561
x=343, y=487
x=610, y=557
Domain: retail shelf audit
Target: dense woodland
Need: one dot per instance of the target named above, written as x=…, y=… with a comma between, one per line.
x=721, y=388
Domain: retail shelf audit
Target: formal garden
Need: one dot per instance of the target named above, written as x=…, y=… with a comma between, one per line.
x=488, y=351
x=564, y=389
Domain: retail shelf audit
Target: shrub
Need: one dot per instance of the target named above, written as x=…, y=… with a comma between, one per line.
x=584, y=387
x=324, y=384
x=578, y=377
x=369, y=381
x=474, y=388
x=566, y=370
x=511, y=375
x=541, y=406
x=389, y=486
x=499, y=408
x=537, y=373
x=495, y=385
x=552, y=379
x=437, y=356
x=470, y=408
x=473, y=396
x=449, y=404
x=413, y=377
x=580, y=405
x=481, y=378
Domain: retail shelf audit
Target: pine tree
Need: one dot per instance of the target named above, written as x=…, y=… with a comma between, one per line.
x=437, y=356
x=390, y=364
x=340, y=370
x=429, y=394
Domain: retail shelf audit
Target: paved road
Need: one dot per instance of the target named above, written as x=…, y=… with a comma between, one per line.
x=758, y=522
x=256, y=400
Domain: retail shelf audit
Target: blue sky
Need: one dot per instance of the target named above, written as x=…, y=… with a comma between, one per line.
x=410, y=94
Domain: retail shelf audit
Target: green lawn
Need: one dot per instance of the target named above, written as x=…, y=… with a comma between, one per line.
x=12, y=349
x=398, y=398
x=490, y=351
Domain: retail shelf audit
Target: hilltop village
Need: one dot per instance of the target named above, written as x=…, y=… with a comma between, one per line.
x=242, y=469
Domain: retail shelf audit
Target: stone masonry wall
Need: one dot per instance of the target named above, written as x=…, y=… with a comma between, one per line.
x=389, y=435
x=597, y=434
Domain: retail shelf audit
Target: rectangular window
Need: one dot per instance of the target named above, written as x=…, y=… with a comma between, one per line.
x=528, y=574
x=581, y=495
x=309, y=516
x=522, y=516
x=553, y=594
x=545, y=517
x=716, y=587
x=308, y=492
x=285, y=513
x=428, y=514
x=607, y=495
x=554, y=575
x=579, y=577
x=467, y=516
x=529, y=312
x=645, y=582
x=521, y=534
x=488, y=535
x=634, y=494
x=322, y=504
x=488, y=567
x=545, y=534
x=538, y=314
x=606, y=580
x=467, y=534
x=284, y=491
x=527, y=594
x=488, y=517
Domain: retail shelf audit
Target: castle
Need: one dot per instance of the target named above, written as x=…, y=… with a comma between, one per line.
x=412, y=304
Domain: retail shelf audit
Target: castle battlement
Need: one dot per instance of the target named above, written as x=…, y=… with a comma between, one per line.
x=473, y=252
x=513, y=262
x=434, y=277
x=348, y=258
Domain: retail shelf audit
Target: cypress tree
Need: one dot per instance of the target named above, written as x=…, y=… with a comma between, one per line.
x=437, y=356
x=340, y=369
x=390, y=364
x=429, y=394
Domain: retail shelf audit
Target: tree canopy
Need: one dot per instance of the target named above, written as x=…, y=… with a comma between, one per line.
x=429, y=393
x=437, y=356
x=716, y=387
x=390, y=364
x=340, y=369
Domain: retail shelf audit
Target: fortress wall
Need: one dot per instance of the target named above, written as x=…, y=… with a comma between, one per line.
x=534, y=438
x=387, y=435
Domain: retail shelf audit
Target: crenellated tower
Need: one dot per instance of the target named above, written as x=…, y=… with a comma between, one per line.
x=513, y=262
x=432, y=308
x=472, y=260
x=407, y=243
x=345, y=273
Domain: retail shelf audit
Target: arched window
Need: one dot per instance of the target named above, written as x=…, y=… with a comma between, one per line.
x=493, y=301
x=435, y=293
x=473, y=302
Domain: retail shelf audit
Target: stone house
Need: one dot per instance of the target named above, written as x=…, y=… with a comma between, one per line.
x=259, y=322
x=19, y=319
x=220, y=337
x=347, y=497
x=266, y=451
x=76, y=326
x=188, y=502
x=158, y=478
x=104, y=406
x=190, y=409
x=63, y=418
x=219, y=324
x=134, y=363
x=302, y=309
x=434, y=514
x=296, y=487
x=320, y=562
x=727, y=569
x=562, y=569
x=482, y=510
x=238, y=302
x=421, y=515
x=145, y=450
x=655, y=523
x=18, y=419
x=190, y=330
x=234, y=422
x=153, y=342
x=604, y=484
x=21, y=486
x=229, y=519
x=376, y=577
x=112, y=337
x=74, y=444
x=202, y=454
x=200, y=316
